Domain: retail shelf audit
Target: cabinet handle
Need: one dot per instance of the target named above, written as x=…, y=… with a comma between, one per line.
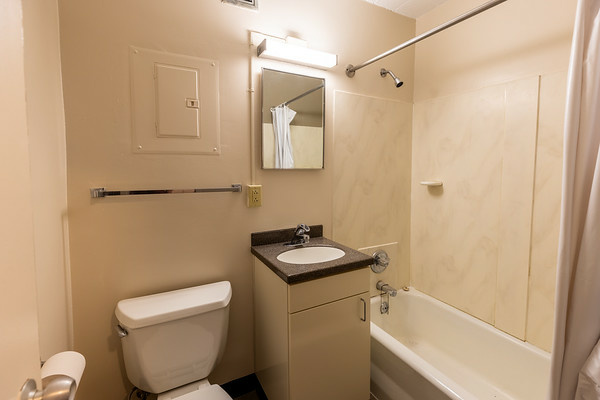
x=364, y=317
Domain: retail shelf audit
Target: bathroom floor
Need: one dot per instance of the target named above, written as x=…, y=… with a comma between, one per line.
x=253, y=395
x=246, y=388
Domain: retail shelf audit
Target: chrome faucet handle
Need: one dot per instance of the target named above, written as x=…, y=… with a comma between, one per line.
x=300, y=235
x=382, y=260
x=301, y=229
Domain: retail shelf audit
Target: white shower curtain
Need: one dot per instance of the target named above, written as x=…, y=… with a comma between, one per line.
x=575, y=370
x=282, y=117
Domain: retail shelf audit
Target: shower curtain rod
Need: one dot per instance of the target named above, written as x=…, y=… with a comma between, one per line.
x=351, y=69
x=302, y=95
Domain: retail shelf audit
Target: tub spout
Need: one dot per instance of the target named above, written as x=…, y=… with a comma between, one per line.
x=384, y=287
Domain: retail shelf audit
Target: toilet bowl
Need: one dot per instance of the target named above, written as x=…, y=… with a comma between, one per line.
x=173, y=340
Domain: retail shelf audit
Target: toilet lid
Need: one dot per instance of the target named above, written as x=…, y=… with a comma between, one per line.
x=212, y=392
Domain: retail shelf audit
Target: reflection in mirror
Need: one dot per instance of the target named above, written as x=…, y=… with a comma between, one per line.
x=292, y=120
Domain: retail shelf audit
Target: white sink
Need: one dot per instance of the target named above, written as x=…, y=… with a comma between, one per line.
x=310, y=255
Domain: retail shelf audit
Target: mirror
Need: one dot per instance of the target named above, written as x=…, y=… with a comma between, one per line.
x=292, y=120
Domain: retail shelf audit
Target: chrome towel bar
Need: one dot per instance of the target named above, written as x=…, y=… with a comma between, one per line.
x=101, y=192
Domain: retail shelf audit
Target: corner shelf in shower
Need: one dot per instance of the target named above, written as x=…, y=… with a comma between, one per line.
x=432, y=183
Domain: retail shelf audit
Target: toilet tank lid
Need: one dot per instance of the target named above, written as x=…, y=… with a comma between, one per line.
x=169, y=306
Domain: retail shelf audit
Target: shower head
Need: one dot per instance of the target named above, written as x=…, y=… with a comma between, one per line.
x=397, y=81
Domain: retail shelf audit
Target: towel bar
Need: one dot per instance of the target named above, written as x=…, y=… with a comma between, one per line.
x=101, y=192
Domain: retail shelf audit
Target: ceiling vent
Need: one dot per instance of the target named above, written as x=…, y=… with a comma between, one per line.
x=243, y=3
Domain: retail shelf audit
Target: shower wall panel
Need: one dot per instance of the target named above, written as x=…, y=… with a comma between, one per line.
x=455, y=227
x=476, y=240
x=546, y=210
x=371, y=192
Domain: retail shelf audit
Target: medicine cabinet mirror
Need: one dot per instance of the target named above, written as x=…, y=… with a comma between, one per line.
x=293, y=116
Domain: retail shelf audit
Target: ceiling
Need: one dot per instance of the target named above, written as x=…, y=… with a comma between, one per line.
x=409, y=8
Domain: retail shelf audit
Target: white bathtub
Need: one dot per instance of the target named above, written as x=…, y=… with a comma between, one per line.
x=427, y=350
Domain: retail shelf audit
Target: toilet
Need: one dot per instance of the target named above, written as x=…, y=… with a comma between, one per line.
x=173, y=340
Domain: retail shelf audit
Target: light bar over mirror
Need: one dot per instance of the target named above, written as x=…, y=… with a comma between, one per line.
x=283, y=51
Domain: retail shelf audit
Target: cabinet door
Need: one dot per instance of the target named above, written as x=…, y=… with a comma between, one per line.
x=330, y=352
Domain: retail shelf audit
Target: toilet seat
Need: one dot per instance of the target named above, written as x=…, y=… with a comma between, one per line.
x=212, y=392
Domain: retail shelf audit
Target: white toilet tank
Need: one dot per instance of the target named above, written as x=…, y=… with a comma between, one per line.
x=174, y=338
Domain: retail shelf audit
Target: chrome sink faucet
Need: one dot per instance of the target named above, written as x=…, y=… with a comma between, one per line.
x=300, y=235
x=384, y=287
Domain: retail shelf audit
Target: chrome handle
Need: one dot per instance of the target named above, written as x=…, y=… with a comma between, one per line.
x=28, y=390
x=304, y=227
x=382, y=260
x=121, y=332
x=59, y=387
x=364, y=317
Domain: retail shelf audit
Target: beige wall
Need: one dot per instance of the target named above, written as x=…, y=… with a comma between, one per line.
x=46, y=126
x=19, y=346
x=514, y=40
x=124, y=247
x=489, y=99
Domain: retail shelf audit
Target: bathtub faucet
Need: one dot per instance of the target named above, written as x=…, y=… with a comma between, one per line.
x=384, y=287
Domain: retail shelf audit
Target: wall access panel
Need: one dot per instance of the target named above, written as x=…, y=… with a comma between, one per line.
x=175, y=103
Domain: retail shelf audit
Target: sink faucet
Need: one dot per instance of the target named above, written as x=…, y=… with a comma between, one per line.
x=300, y=235
x=384, y=287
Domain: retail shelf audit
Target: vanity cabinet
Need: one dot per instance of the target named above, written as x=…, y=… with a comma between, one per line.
x=312, y=339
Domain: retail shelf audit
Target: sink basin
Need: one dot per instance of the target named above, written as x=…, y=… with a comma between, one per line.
x=311, y=255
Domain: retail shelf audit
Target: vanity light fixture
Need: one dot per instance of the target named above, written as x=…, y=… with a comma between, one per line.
x=283, y=51
x=243, y=3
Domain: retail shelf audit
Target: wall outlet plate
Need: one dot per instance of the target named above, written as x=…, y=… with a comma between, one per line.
x=254, y=195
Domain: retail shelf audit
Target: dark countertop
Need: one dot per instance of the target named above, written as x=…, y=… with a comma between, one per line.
x=296, y=273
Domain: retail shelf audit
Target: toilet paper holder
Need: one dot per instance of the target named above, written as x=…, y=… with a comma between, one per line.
x=54, y=387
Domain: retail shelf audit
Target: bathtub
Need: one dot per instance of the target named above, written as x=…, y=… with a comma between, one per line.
x=426, y=350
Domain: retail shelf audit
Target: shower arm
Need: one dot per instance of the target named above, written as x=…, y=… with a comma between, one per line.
x=351, y=69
